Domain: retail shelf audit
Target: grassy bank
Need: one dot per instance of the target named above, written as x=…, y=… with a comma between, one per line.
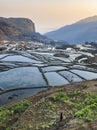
x=76, y=103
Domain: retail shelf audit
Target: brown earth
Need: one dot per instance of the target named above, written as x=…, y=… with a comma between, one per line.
x=38, y=113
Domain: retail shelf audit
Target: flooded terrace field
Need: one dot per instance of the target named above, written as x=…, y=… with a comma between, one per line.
x=25, y=73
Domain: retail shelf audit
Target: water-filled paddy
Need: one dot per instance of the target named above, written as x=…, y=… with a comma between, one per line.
x=70, y=76
x=85, y=74
x=21, y=77
x=36, y=69
x=20, y=59
x=55, y=79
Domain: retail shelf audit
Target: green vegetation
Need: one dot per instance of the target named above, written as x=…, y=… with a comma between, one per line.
x=46, y=114
x=11, y=113
x=76, y=106
x=84, y=105
x=88, y=108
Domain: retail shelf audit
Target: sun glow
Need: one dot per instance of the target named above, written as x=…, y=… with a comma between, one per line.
x=48, y=14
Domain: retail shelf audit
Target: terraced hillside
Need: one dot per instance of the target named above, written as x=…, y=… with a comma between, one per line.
x=23, y=73
x=68, y=107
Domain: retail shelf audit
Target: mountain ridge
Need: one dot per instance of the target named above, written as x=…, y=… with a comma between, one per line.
x=78, y=32
x=88, y=19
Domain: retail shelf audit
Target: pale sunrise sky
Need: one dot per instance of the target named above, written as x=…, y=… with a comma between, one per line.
x=49, y=14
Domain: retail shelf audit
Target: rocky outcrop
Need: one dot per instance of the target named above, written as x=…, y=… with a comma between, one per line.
x=21, y=29
x=16, y=29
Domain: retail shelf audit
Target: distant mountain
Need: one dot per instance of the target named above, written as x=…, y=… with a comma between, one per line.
x=79, y=32
x=21, y=29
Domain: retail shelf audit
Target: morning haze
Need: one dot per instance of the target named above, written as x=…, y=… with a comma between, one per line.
x=49, y=14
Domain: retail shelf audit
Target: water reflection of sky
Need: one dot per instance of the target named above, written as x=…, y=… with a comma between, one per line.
x=21, y=77
x=20, y=59
x=70, y=76
x=85, y=74
x=45, y=70
x=17, y=95
x=55, y=79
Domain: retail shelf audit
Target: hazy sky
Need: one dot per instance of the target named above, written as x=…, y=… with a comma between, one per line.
x=49, y=14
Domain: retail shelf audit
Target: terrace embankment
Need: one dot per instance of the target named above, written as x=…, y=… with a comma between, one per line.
x=77, y=102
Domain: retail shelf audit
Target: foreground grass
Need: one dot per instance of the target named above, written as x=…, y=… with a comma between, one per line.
x=84, y=105
x=10, y=114
x=46, y=112
x=75, y=105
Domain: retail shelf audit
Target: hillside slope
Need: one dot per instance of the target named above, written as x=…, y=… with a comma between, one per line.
x=77, y=103
x=79, y=32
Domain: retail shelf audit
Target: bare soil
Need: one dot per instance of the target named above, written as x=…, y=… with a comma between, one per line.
x=44, y=114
